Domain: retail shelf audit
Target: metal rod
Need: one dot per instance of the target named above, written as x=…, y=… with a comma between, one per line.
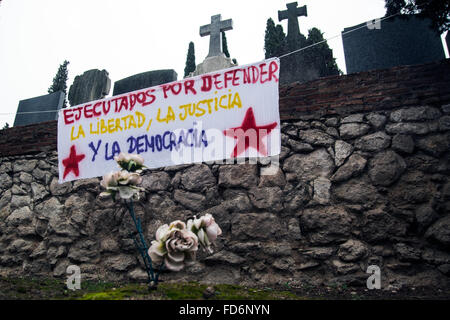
x=143, y=248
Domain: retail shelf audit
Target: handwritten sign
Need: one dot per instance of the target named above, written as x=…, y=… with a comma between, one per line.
x=230, y=113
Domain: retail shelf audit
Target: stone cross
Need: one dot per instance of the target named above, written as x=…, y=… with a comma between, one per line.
x=292, y=13
x=214, y=30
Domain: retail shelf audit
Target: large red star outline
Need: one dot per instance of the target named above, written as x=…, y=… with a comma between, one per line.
x=71, y=163
x=244, y=141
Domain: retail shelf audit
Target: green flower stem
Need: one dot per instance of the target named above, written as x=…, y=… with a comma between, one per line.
x=143, y=248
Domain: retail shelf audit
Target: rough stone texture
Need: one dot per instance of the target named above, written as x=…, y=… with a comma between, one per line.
x=224, y=257
x=357, y=191
x=198, y=178
x=322, y=190
x=425, y=215
x=316, y=137
x=271, y=179
x=376, y=120
x=440, y=231
x=91, y=85
x=406, y=252
x=415, y=114
x=211, y=64
x=412, y=188
x=335, y=204
x=373, y=142
x=324, y=225
x=420, y=128
x=269, y=198
x=308, y=167
x=353, y=130
x=352, y=250
x=193, y=201
x=256, y=226
x=444, y=123
x=155, y=181
x=403, y=143
x=121, y=262
x=342, y=150
x=379, y=225
x=434, y=145
x=352, y=168
x=19, y=217
x=359, y=118
x=242, y=175
x=298, y=146
x=386, y=167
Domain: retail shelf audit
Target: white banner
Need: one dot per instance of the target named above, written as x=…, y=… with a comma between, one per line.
x=231, y=113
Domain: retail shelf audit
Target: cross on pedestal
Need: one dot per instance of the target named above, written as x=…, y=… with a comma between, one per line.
x=214, y=31
x=291, y=14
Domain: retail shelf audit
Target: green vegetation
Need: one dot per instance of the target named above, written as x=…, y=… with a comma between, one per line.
x=55, y=289
x=321, y=56
x=274, y=40
x=60, y=80
x=436, y=10
x=32, y=288
x=190, y=60
x=225, y=45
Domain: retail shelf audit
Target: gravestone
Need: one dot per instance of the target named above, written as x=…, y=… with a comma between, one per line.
x=295, y=67
x=144, y=80
x=215, y=60
x=39, y=109
x=91, y=85
x=291, y=14
x=403, y=40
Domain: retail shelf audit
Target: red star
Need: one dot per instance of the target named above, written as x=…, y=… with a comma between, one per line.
x=244, y=141
x=71, y=163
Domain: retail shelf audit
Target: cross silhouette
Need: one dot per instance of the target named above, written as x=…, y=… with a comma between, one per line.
x=292, y=13
x=214, y=30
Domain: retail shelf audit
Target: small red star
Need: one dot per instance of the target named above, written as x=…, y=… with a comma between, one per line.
x=244, y=141
x=71, y=163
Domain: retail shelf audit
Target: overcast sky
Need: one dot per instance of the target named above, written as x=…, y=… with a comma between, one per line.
x=134, y=36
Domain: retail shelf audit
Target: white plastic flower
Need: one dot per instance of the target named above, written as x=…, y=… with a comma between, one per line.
x=175, y=245
x=123, y=183
x=130, y=162
x=206, y=229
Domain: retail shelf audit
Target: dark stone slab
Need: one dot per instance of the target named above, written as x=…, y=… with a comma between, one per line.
x=389, y=43
x=50, y=103
x=91, y=85
x=144, y=80
x=291, y=14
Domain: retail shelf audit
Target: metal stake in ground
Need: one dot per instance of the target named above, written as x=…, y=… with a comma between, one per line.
x=142, y=247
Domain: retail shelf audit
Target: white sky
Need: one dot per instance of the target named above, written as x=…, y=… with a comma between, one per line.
x=127, y=37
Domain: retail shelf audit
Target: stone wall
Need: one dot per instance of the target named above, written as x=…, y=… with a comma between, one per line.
x=355, y=187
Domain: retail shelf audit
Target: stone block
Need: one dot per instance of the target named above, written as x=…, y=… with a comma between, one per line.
x=91, y=85
x=388, y=44
x=144, y=80
x=29, y=110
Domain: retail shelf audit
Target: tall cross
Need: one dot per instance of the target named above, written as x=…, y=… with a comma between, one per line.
x=214, y=30
x=292, y=13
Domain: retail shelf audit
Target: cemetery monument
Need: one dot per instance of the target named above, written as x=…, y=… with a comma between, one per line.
x=215, y=60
